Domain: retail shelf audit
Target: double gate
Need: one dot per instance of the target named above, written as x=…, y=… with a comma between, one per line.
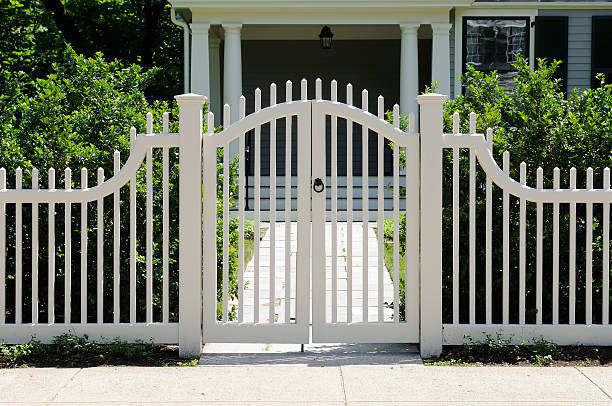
x=325, y=264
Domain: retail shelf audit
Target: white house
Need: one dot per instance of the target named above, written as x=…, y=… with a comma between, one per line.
x=391, y=47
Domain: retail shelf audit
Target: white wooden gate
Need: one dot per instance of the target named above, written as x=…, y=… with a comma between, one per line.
x=347, y=302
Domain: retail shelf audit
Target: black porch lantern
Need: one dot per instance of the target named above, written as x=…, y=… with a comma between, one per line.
x=326, y=36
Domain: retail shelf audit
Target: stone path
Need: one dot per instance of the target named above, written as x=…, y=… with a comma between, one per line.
x=279, y=254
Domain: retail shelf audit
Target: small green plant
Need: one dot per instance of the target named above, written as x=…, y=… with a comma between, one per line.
x=190, y=363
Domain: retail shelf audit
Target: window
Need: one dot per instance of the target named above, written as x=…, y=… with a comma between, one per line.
x=492, y=43
x=601, y=57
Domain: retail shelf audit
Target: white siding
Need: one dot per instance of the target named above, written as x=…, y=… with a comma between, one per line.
x=579, y=45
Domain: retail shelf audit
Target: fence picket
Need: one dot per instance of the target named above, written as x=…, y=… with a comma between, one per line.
x=241, y=186
x=133, y=241
x=2, y=250
x=588, y=308
x=116, y=242
x=165, y=225
x=18, y=251
x=555, y=287
x=522, y=242
x=149, y=229
x=539, y=253
x=572, y=253
x=83, y=250
x=488, y=238
x=100, y=253
x=51, y=253
x=35, y=250
x=472, y=225
x=506, y=248
x=67, y=250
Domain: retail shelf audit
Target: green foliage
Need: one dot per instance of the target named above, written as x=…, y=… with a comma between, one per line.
x=73, y=350
x=538, y=126
x=499, y=350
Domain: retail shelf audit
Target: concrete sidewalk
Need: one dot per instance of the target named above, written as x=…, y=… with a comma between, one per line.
x=302, y=384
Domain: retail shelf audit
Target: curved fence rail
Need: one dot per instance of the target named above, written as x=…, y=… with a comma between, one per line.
x=84, y=259
x=544, y=252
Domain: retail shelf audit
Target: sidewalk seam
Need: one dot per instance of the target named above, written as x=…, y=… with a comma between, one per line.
x=342, y=381
x=65, y=385
x=593, y=382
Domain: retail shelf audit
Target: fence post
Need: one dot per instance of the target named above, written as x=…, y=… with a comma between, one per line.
x=190, y=229
x=431, y=223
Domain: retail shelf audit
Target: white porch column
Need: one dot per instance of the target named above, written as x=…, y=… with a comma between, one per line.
x=200, y=73
x=232, y=69
x=409, y=69
x=214, y=102
x=440, y=64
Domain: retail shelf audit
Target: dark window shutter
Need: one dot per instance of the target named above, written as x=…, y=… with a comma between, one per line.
x=601, y=58
x=551, y=43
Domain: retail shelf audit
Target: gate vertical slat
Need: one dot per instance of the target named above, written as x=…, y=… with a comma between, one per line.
x=456, y=223
x=396, y=228
x=257, y=208
x=288, y=120
x=304, y=165
x=365, y=193
x=334, y=205
x=319, y=272
x=272, y=275
x=380, y=212
x=225, y=232
x=349, y=209
x=605, y=311
x=241, y=203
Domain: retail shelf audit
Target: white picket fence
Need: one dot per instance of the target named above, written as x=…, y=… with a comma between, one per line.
x=518, y=330
x=423, y=205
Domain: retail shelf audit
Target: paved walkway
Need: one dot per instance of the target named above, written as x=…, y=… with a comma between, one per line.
x=369, y=384
x=279, y=253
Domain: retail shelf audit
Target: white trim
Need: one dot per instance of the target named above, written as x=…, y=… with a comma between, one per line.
x=561, y=334
x=157, y=332
x=546, y=5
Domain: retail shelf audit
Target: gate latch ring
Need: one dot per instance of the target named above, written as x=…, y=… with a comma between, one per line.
x=318, y=185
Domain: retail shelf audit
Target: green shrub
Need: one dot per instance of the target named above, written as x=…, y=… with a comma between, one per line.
x=537, y=125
